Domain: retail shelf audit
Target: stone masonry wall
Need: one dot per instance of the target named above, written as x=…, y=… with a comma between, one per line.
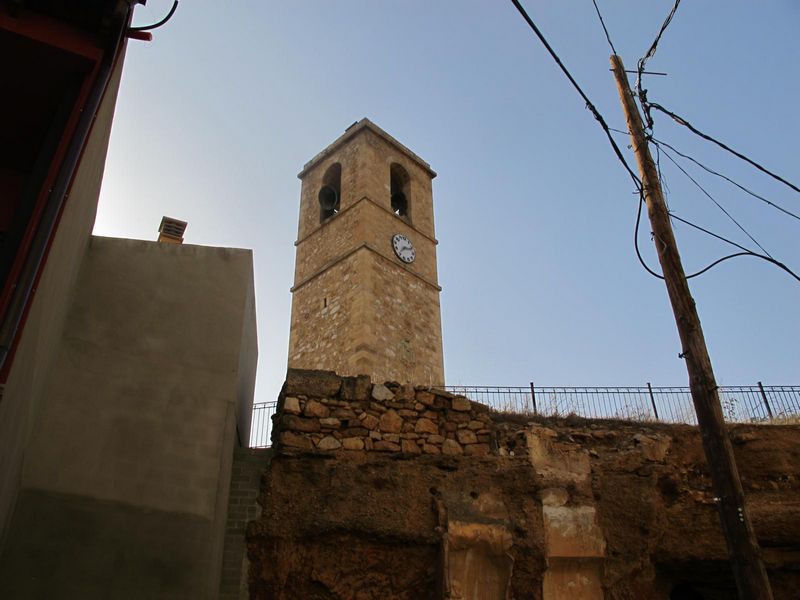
x=402, y=492
x=341, y=414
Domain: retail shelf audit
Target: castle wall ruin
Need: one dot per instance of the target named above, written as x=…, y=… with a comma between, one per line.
x=401, y=492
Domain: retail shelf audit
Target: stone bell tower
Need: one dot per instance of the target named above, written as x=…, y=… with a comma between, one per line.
x=365, y=299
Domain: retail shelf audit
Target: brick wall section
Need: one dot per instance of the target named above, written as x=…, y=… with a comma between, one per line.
x=319, y=411
x=248, y=466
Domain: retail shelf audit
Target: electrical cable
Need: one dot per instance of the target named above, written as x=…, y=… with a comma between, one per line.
x=603, y=23
x=685, y=123
x=725, y=177
x=636, y=239
x=710, y=197
x=159, y=23
x=745, y=251
x=618, y=152
x=641, y=92
x=574, y=83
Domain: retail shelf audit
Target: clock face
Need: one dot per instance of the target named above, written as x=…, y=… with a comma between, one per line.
x=403, y=248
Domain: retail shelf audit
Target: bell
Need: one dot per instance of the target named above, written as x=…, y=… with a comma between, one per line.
x=328, y=198
x=399, y=204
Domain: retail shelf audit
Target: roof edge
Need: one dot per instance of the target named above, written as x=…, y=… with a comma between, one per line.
x=353, y=131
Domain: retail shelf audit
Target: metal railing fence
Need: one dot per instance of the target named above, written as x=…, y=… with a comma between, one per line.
x=261, y=424
x=740, y=404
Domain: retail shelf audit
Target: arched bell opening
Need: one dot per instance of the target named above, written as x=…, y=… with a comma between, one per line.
x=330, y=193
x=399, y=188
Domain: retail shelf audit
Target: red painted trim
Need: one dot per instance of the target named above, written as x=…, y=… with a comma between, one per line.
x=144, y=36
x=53, y=33
x=44, y=192
x=85, y=89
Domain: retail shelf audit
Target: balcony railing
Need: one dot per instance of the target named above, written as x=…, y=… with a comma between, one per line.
x=740, y=404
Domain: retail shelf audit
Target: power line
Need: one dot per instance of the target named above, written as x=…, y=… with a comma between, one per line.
x=745, y=251
x=159, y=23
x=685, y=123
x=603, y=23
x=574, y=83
x=618, y=152
x=725, y=177
x=641, y=92
x=710, y=197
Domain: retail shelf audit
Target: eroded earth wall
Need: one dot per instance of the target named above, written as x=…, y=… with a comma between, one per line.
x=396, y=492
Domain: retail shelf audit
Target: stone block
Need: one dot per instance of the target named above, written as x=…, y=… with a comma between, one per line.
x=316, y=409
x=291, y=405
x=330, y=422
x=475, y=425
x=425, y=398
x=356, y=388
x=312, y=383
x=452, y=447
x=374, y=435
x=406, y=392
x=329, y=443
x=391, y=437
x=404, y=412
x=353, y=443
x=477, y=450
x=653, y=448
x=460, y=403
x=426, y=426
x=355, y=432
x=369, y=421
x=381, y=393
x=391, y=422
x=435, y=439
x=574, y=579
x=344, y=413
x=430, y=449
x=466, y=436
x=410, y=447
x=384, y=446
x=295, y=440
x=572, y=531
x=294, y=423
x=458, y=417
x=554, y=496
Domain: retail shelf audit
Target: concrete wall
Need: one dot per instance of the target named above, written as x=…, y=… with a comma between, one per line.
x=40, y=337
x=126, y=479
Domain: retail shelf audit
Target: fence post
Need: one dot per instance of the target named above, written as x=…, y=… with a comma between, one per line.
x=652, y=400
x=766, y=402
x=533, y=399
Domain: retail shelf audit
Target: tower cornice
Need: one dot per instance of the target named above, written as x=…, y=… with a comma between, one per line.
x=355, y=129
x=363, y=246
x=405, y=223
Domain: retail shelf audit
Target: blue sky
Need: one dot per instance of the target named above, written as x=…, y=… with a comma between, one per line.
x=218, y=114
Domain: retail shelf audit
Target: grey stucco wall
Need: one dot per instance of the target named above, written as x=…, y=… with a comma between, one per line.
x=138, y=423
x=42, y=330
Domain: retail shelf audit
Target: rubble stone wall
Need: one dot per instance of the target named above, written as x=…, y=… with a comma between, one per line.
x=401, y=492
x=351, y=414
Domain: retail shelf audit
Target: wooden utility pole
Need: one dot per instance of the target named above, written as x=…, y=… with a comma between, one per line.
x=745, y=555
